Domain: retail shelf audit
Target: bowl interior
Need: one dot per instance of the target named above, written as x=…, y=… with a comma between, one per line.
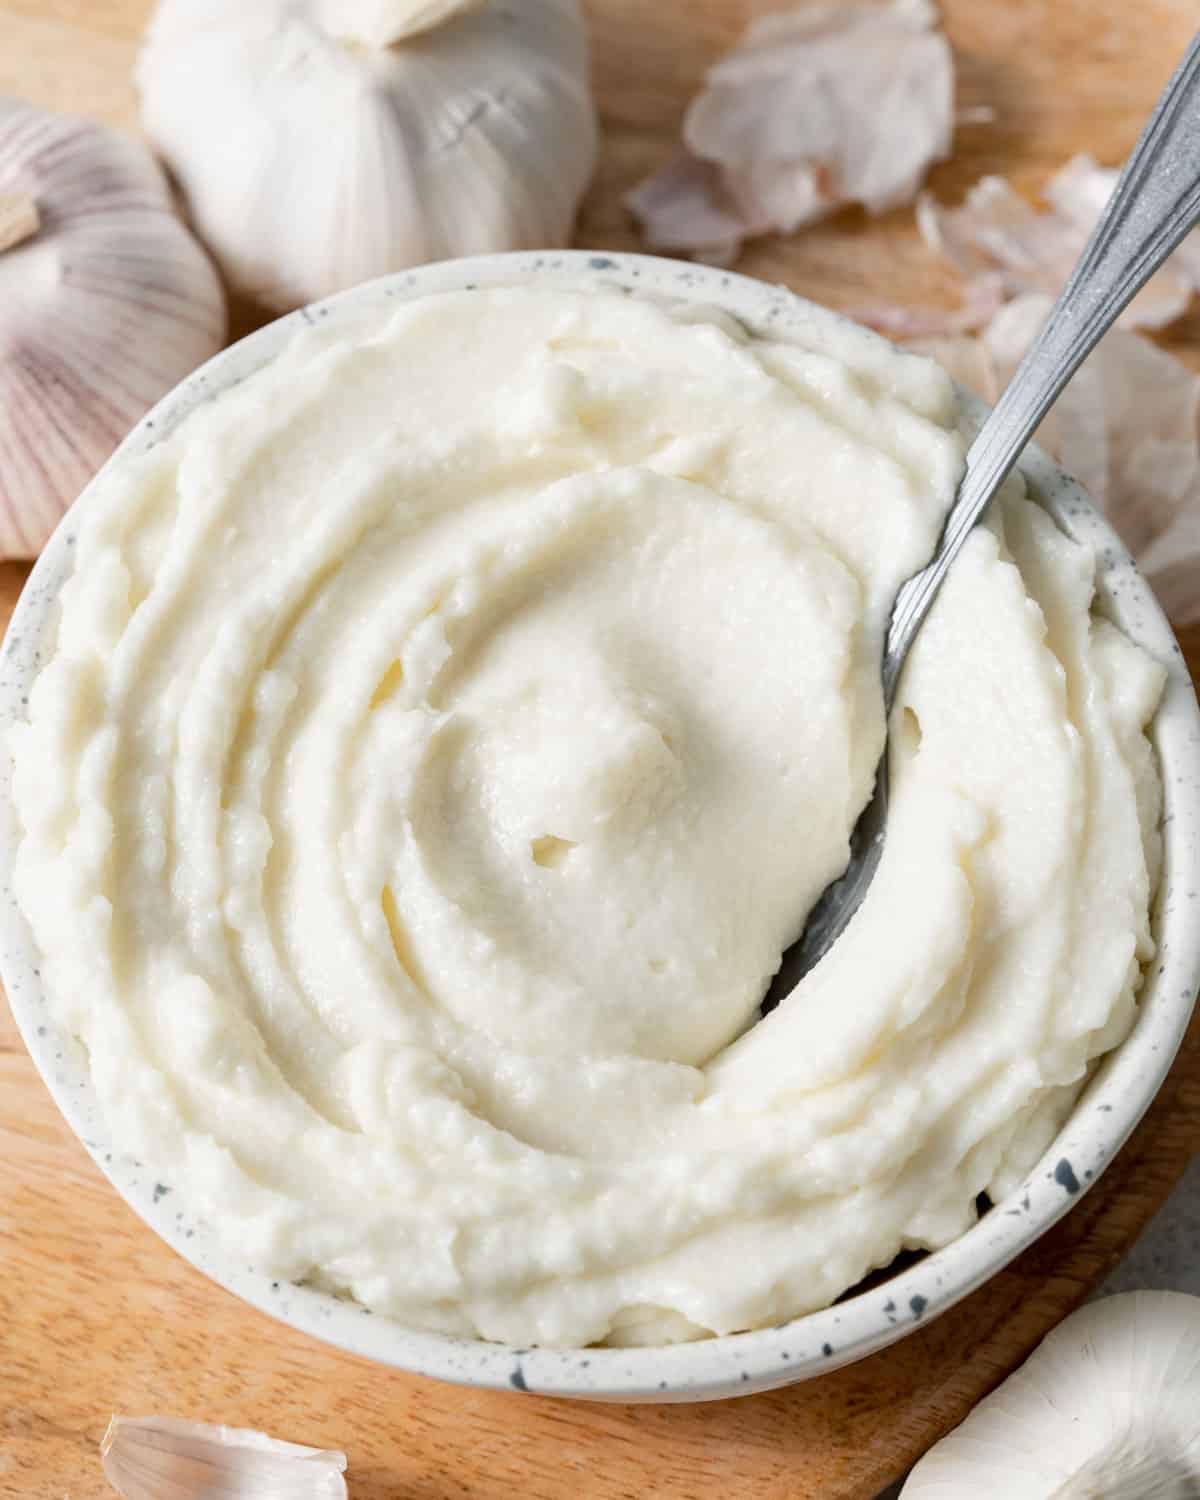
x=1119, y=1092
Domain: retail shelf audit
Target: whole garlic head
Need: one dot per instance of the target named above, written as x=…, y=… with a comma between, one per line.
x=107, y=302
x=1106, y=1408
x=321, y=143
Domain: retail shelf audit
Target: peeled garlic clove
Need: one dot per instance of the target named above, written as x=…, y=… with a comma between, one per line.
x=164, y=1458
x=106, y=302
x=1107, y=1405
x=321, y=143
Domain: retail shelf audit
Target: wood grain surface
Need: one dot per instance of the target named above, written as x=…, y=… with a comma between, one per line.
x=97, y=1315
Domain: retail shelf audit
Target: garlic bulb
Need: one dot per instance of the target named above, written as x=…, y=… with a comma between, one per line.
x=325, y=142
x=1106, y=1408
x=106, y=302
x=164, y=1458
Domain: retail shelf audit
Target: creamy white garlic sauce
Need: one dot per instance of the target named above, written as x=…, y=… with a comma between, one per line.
x=449, y=727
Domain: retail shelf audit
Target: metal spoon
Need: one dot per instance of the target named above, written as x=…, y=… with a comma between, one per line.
x=1155, y=202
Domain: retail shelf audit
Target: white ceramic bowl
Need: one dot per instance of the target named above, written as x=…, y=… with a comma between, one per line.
x=737, y=1364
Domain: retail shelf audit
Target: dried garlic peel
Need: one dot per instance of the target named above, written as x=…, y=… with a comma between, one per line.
x=165, y=1458
x=996, y=234
x=815, y=108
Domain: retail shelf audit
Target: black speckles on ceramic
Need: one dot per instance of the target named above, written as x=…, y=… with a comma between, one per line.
x=736, y=1364
x=1064, y=1175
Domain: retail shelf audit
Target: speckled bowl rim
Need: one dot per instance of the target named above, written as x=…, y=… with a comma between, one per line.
x=736, y=1364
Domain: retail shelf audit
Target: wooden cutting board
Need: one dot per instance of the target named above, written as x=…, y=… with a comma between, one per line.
x=96, y=1315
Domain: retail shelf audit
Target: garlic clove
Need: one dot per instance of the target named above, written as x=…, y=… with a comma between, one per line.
x=165, y=1458
x=339, y=161
x=106, y=302
x=1108, y=1405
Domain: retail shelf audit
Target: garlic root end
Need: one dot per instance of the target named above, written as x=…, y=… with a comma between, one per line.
x=386, y=23
x=19, y=220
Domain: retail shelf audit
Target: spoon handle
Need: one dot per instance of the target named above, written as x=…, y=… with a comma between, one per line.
x=1154, y=204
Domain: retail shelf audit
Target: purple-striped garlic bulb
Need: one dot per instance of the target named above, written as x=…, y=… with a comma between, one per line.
x=108, y=301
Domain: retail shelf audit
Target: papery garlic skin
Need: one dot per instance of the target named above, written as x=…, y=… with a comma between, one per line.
x=816, y=107
x=314, y=156
x=996, y=235
x=106, y=302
